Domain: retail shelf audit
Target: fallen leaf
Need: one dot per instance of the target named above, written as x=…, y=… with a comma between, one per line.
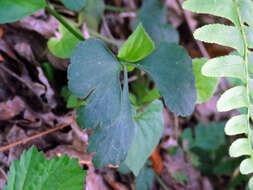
x=1, y=32
x=157, y=162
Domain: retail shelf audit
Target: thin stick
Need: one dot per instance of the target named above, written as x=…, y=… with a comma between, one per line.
x=116, y=9
x=187, y=19
x=64, y=23
x=23, y=141
x=160, y=181
x=97, y=35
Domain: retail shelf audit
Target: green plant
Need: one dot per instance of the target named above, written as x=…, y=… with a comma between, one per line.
x=122, y=133
x=239, y=37
x=33, y=171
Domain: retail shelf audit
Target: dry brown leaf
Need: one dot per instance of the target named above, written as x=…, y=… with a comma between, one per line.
x=157, y=162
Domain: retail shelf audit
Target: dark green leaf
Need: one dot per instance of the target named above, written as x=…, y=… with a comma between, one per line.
x=94, y=67
x=13, y=10
x=145, y=179
x=170, y=67
x=75, y=5
x=111, y=141
x=34, y=172
x=150, y=125
x=153, y=16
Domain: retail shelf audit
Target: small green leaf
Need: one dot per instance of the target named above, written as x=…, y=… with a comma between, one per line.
x=226, y=66
x=246, y=11
x=151, y=96
x=170, y=67
x=150, y=125
x=153, y=16
x=215, y=7
x=92, y=13
x=249, y=34
x=111, y=141
x=75, y=5
x=180, y=176
x=237, y=125
x=246, y=166
x=94, y=69
x=13, y=10
x=205, y=85
x=214, y=33
x=33, y=171
x=240, y=147
x=208, y=142
x=63, y=47
x=250, y=183
x=137, y=46
x=233, y=98
x=145, y=179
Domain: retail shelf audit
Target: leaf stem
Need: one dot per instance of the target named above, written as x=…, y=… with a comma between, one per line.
x=160, y=181
x=99, y=36
x=64, y=23
x=116, y=9
x=245, y=58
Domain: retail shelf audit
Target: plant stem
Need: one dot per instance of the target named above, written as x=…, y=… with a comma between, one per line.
x=64, y=23
x=160, y=181
x=116, y=9
x=97, y=35
x=245, y=58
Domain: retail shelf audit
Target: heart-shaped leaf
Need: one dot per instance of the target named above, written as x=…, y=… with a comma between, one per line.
x=63, y=47
x=150, y=125
x=137, y=46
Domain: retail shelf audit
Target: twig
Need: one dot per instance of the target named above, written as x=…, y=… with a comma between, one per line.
x=160, y=181
x=64, y=23
x=187, y=19
x=23, y=141
x=117, y=9
x=97, y=35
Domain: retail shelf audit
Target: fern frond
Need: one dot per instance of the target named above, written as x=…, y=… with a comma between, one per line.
x=239, y=37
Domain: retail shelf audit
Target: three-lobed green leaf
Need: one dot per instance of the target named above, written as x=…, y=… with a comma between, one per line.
x=33, y=171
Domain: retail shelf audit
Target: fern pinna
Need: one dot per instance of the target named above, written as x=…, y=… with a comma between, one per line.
x=237, y=65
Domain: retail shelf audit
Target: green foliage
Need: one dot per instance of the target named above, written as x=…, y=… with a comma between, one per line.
x=149, y=124
x=137, y=46
x=238, y=66
x=94, y=74
x=145, y=179
x=34, y=172
x=75, y=5
x=170, y=67
x=205, y=85
x=72, y=100
x=92, y=13
x=13, y=10
x=63, y=47
x=153, y=16
x=181, y=176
